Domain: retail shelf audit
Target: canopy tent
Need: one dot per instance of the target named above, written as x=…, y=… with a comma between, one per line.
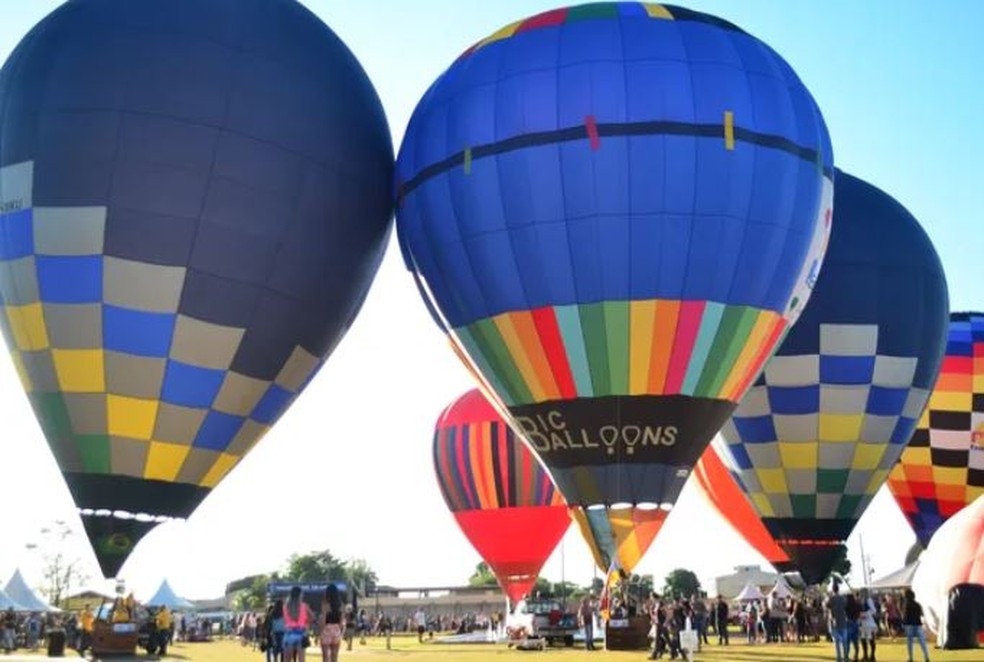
x=901, y=578
x=749, y=593
x=7, y=602
x=166, y=597
x=22, y=594
x=781, y=589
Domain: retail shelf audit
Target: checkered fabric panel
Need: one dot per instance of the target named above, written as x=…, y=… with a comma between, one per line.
x=125, y=380
x=818, y=433
x=942, y=469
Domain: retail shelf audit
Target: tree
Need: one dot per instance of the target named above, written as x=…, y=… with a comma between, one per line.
x=62, y=570
x=843, y=564
x=596, y=587
x=254, y=596
x=483, y=576
x=542, y=588
x=315, y=567
x=361, y=576
x=681, y=583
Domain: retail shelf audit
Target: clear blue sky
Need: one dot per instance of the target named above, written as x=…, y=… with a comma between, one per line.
x=899, y=84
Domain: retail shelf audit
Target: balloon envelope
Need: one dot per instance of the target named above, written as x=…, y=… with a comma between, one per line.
x=718, y=486
x=194, y=198
x=503, y=500
x=816, y=436
x=614, y=231
x=942, y=468
x=619, y=534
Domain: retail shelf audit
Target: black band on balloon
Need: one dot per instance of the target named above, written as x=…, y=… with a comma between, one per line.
x=643, y=429
x=134, y=495
x=613, y=129
x=820, y=531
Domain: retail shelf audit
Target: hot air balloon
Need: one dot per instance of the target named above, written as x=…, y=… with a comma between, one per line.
x=949, y=581
x=194, y=199
x=715, y=482
x=614, y=210
x=503, y=500
x=942, y=468
x=816, y=436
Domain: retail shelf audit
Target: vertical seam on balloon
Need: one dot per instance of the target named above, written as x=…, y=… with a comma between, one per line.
x=502, y=207
x=754, y=153
x=562, y=311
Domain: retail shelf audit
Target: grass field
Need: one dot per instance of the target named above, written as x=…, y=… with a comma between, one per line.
x=408, y=650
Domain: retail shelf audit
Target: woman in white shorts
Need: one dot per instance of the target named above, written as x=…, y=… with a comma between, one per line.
x=868, y=628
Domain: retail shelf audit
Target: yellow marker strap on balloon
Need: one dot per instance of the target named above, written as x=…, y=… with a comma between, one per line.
x=657, y=11
x=131, y=417
x=164, y=460
x=468, y=160
x=729, y=130
x=80, y=370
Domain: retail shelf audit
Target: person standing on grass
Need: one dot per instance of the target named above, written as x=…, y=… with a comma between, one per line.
x=420, y=620
x=331, y=624
x=297, y=620
x=837, y=622
x=912, y=617
x=721, y=620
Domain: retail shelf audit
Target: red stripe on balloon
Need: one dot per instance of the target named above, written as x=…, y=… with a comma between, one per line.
x=688, y=325
x=553, y=347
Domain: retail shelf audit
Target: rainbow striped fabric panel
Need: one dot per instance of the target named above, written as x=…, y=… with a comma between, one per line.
x=595, y=10
x=642, y=347
x=483, y=465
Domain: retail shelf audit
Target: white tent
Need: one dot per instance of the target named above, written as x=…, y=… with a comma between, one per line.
x=7, y=602
x=899, y=579
x=21, y=593
x=781, y=589
x=166, y=597
x=749, y=593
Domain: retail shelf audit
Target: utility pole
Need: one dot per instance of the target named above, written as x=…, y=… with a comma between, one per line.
x=864, y=562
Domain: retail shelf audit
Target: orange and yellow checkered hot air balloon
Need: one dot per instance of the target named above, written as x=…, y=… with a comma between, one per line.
x=942, y=469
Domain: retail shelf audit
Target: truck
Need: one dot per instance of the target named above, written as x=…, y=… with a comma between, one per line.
x=543, y=619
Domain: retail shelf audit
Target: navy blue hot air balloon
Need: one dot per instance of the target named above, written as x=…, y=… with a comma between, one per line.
x=194, y=199
x=615, y=210
x=829, y=417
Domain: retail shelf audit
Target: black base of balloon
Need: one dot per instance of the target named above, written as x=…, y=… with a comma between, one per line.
x=633, y=449
x=113, y=539
x=134, y=495
x=814, y=546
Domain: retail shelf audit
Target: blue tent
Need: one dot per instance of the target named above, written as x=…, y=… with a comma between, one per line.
x=166, y=597
x=22, y=594
x=7, y=602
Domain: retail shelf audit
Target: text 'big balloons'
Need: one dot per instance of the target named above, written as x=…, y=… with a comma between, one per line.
x=194, y=199
x=615, y=210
